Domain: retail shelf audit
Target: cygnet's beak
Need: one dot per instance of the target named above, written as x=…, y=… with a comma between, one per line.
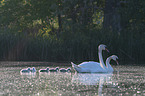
x=117, y=62
x=107, y=50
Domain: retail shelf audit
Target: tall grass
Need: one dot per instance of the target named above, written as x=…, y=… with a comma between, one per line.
x=73, y=46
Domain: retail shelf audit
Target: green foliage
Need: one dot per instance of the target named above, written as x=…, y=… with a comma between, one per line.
x=69, y=30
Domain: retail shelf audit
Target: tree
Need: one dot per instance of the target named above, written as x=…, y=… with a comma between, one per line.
x=112, y=18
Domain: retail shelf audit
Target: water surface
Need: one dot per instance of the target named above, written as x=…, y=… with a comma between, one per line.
x=126, y=80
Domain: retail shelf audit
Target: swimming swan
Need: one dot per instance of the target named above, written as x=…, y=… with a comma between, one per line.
x=108, y=66
x=97, y=67
x=92, y=66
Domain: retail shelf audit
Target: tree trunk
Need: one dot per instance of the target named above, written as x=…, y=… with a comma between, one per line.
x=112, y=16
x=59, y=16
x=59, y=23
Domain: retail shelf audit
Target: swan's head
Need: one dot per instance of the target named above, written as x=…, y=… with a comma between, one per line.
x=114, y=57
x=103, y=47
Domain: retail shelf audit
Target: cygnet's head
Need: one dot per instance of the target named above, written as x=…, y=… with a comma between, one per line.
x=33, y=69
x=57, y=68
x=28, y=68
x=47, y=68
x=68, y=68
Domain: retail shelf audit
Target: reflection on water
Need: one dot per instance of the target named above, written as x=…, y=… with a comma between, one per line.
x=28, y=75
x=93, y=79
x=130, y=80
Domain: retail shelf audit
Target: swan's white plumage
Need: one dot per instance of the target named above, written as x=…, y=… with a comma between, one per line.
x=95, y=66
x=92, y=66
x=89, y=67
x=108, y=66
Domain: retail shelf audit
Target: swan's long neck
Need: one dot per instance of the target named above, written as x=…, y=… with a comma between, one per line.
x=101, y=59
x=109, y=67
x=108, y=62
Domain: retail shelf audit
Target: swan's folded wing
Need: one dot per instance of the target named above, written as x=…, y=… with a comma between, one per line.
x=89, y=64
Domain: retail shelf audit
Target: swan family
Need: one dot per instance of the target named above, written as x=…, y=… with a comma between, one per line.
x=84, y=67
x=96, y=67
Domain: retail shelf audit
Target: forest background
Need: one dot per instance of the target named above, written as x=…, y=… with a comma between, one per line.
x=71, y=30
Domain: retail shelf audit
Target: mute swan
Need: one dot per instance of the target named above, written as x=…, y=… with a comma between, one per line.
x=65, y=70
x=54, y=70
x=92, y=66
x=44, y=70
x=98, y=67
x=108, y=66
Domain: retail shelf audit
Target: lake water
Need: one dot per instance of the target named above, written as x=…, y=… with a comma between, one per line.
x=125, y=81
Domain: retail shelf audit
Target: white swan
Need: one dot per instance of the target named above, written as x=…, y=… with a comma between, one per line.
x=97, y=66
x=92, y=66
x=108, y=66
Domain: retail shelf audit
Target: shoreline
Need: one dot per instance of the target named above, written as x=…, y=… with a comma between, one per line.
x=31, y=63
x=43, y=63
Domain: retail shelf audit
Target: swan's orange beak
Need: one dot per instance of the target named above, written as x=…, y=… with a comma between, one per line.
x=107, y=50
x=117, y=62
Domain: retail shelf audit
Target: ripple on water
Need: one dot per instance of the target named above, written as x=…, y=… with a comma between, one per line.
x=126, y=82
